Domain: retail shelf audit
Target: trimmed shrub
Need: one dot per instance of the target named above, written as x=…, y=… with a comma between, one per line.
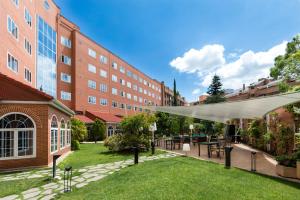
x=75, y=145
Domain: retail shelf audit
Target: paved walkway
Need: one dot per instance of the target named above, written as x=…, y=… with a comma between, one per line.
x=87, y=175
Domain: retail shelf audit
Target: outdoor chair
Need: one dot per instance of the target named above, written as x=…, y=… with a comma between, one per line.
x=219, y=148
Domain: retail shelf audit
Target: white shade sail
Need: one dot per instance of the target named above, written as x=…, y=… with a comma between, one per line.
x=221, y=112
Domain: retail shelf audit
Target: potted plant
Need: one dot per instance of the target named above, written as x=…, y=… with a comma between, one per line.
x=286, y=166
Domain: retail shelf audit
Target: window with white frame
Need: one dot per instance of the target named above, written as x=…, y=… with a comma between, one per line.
x=134, y=76
x=92, y=68
x=114, y=91
x=114, y=104
x=129, y=73
x=68, y=140
x=128, y=84
x=17, y=136
x=28, y=17
x=91, y=99
x=65, y=42
x=103, y=87
x=114, y=65
x=122, y=69
x=135, y=98
x=141, y=109
x=103, y=59
x=103, y=73
x=128, y=96
x=53, y=134
x=16, y=2
x=122, y=81
x=65, y=77
x=140, y=99
x=149, y=93
x=140, y=90
x=46, y=5
x=135, y=108
x=103, y=102
x=65, y=96
x=122, y=93
x=62, y=134
x=145, y=82
x=114, y=78
x=140, y=80
x=122, y=105
x=12, y=63
x=92, y=84
x=27, y=75
x=134, y=87
x=27, y=46
x=145, y=91
x=12, y=27
x=128, y=107
x=66, y=59
x=92, y=53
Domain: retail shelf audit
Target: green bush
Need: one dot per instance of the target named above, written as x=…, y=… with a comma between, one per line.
x=75, y=145
x=289, y=160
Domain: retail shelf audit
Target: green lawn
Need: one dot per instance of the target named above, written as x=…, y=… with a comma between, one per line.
x=17, y=186
x=185, y=178
x=91, y=154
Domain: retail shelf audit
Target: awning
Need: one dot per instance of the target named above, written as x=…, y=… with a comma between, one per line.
x=221, y=112
x=106, y=117
x=84, y=119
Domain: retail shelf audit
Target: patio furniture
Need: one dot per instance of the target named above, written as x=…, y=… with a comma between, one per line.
x=201, y=137
x=176, y=141
x=186, y=139
x=209, y=144
x=219, y=148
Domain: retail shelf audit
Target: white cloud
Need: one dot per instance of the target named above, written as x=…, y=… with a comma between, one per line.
x=210, y=60
x=200, y=61
x=196, y=91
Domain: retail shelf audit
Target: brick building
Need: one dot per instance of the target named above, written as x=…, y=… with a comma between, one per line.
x=167, y=95
x=46, y=51
x=33, y=126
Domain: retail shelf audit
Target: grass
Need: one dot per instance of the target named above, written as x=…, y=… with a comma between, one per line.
x=185, y=178
x=92, y=154
x=18, y=186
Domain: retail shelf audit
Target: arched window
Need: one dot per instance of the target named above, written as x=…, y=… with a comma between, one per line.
x=17, y=136
x=68, y=133
x=53, y=134
x=62, y=134
x=110, y=131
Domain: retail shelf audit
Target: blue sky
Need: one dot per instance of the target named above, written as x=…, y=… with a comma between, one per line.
x=191, y=40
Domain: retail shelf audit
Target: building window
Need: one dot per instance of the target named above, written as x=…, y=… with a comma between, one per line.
x=65, y=42
x=122, y=105
x=110, y=131
x=27, y=75
x=91, y=99
x=66, y=59
x=122, y=94
x=122, y=69
x=141, y=109
x=135, y=98
x=17, y=137
x=114, y=91
x=103, y=87
x=16, y=2
x=46, y=56
x=68, y=140
x=140, y=99
x=140, y=90
x=103, y=73
x=114, y=104
x=62, y=134
x=122, y=81
x=128, y=107
x=12, y=27
x=134, y=87
x=65, y=96
x=114, y=65
x=92, y=53
x=53, y=134
x=92, y=68
x=114, y=78
x=128, y=96
x=134, y=76
x=46, y=5
x=140, y=80
x=145, y=92
x=128, y=84
x=92, y=84
x=27, y=46
x=129, y=73
x=28, y=17
x=12, y=63
x=65, y=77
x=103, y=102
x=103, y=59
x=145, y=82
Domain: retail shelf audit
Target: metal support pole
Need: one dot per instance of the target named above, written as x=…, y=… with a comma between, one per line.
x=68, y=179
x=253, y=161
x=153, y=148
x=136, y=155
x=228, y=150
x=55, y=157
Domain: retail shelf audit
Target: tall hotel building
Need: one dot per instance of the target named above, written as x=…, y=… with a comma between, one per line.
x=44, y=50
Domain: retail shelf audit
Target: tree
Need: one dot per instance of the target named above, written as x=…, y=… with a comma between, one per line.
x=175, y=94
x=287, y=66
x=163, y=123
x=79, y=133
x=98, y=130
x=215, y=91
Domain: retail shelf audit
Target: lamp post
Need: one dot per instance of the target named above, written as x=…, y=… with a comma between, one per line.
x=152, y=128
x=191, y=127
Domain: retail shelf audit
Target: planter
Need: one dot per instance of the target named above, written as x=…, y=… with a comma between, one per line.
x=289, y=172
x=298, y=169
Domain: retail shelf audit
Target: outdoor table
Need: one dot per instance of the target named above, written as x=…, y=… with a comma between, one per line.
x=209, y=144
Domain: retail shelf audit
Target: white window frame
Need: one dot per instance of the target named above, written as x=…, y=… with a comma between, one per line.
x=66, y=60
x=103, y=102
x=103, y=87
x=128, y=84
x=55, y=129
x=103, y=59
x=114, y=65
x=15, y=130
x=92, y=99
x=11, y=31
x=114, y=91
x=67, y=96
x=28, y=21
x=62, y=135
x=69, y=78
x=26, y=74
x=122, y=69
x=92, y=68
x=27, y=46
x=65, y=42
x=92, y=53
x=92, y=84
x=103, y=73
x=114, y=78
x=9, y=67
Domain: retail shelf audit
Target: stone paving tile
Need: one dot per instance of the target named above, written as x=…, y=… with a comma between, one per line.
x=89, y=174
